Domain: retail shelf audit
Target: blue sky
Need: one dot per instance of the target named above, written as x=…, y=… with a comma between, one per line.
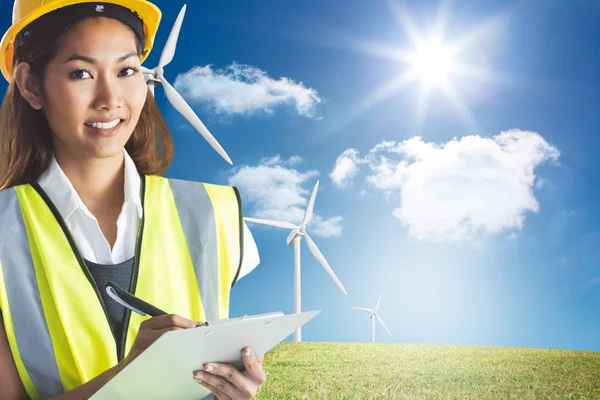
x=476, y=223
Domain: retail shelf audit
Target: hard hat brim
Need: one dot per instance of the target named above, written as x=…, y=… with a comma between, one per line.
x=148, y=13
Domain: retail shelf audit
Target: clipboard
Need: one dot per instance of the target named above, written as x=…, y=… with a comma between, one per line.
x=165, y=369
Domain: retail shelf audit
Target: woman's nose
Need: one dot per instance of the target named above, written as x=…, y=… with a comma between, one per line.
x=108, y=94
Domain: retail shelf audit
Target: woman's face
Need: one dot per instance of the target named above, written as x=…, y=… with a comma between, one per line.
x=93, y=83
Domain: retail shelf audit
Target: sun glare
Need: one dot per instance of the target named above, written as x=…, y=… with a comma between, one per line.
x=432, y=61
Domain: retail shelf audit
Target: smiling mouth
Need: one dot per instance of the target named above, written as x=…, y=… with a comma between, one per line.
x=104, y=129
x=104, y=125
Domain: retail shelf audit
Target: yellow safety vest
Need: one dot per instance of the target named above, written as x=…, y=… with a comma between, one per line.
x=188, y=256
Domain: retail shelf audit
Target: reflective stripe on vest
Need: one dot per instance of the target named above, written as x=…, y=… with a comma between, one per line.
x=189, y=255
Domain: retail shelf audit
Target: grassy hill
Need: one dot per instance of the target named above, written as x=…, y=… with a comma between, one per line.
x=412, y=371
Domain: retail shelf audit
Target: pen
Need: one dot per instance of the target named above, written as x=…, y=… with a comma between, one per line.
x=128, y=300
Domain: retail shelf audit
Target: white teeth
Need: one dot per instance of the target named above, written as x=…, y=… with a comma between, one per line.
x=104, y=125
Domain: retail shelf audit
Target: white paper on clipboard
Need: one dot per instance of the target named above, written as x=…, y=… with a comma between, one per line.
x=165, y=369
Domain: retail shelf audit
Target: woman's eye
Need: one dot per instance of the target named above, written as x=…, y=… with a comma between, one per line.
x=80, y=74
x=129, y=71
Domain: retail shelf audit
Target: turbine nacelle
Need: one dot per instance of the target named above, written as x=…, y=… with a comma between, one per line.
x=298, y=231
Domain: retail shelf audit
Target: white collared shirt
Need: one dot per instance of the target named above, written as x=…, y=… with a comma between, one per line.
x=86, y=231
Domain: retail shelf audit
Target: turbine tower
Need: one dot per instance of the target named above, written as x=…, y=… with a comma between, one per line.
x=297, y=233
x=373, y=313
x=155, y=77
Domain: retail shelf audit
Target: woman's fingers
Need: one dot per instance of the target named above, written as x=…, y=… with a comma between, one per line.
x=221, y=387
x=220, y=395
x=228, y=380
x=253, y=365
x=148, y=336
x=153, y=328
x=159, y=332
x=164, y=321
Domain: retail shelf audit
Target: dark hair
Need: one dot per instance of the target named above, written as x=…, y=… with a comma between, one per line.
x=26, y=145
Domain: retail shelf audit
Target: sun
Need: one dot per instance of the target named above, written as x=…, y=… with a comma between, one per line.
x=432, y=62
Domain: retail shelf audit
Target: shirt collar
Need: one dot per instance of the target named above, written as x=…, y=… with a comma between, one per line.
x=62, y=193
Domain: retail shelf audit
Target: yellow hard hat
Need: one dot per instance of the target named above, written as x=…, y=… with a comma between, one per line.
x=27, y=11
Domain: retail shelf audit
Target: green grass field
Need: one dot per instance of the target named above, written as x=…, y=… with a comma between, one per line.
x=411, y=371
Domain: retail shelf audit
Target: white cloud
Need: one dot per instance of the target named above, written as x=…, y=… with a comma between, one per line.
x=461, y=189
x=346, y=167
x=280, y=193
x=271, y=160
x=539, y=183
x=295, y=160
x=325, y=227
x=244, y=89
x=276, y=160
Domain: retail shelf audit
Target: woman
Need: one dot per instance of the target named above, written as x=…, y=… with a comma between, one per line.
x=82, y=202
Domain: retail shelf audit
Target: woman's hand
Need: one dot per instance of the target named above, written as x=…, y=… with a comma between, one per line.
x=227, y=383
x=153, y=328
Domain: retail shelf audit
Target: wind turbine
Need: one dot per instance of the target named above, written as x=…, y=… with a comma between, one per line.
x=297, y=233
x=373, y=313
x=155, y=77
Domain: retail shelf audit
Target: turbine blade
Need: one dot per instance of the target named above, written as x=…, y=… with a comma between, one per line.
x=278, y=224
x=184, y=109
x=311, y=203
x=169, y=51
x=362, y=309
x=380, y=320
x=315, y=252
x=378, y=301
